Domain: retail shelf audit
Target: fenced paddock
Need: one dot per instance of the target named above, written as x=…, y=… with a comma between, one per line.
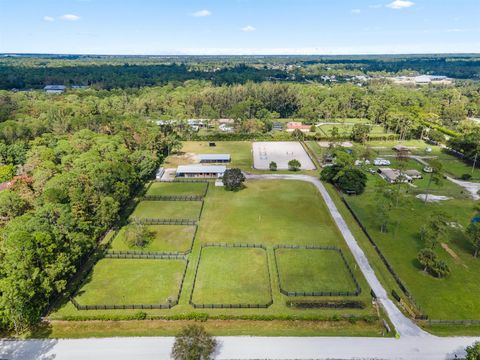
x=132, y=283
x=166, y=239
x=280, y=152
x=167, y=210
x=232, y=276
x=197, y=189
x=314, y=271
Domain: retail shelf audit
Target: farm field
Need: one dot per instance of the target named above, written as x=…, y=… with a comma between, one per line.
x=175, y=188
x=310, y=270
x=167, y=210
x=229, y=275
x=166, y=238
x=266, y=213
x=132, y=281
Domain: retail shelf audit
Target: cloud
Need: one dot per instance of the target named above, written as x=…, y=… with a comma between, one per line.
x=375, y=6
x=356, y=11
x=48, y=18
x=248, y=28
x=400, y=4
x=202, y=13
x=70, y=17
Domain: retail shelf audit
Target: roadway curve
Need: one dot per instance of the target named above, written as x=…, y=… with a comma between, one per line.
x=403, y=325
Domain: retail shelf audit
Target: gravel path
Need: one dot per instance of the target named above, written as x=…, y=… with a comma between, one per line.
x=403, y=325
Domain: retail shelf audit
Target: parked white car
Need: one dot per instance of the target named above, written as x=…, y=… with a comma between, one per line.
x=381, y=162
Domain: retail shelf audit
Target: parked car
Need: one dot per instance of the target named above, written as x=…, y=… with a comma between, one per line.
x=381, y=162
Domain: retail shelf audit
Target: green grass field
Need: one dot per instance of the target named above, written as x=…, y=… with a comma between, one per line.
x=455, y=297
x=313, y=270
x=167, y=210
x=132, y=281
x=232, y=276
x=268, y=212
x=175, y=188
x=167, y=238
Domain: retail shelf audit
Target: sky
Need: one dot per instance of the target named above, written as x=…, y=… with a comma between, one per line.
x=163, y=27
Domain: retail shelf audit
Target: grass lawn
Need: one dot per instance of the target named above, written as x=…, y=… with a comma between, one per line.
x=168, y=238
x=132, y=281
x=241, y=152
x=232, y=276
x=313, y=270
x=455, y=297
x=167, y=210
x=269, y=212
x=175, y=188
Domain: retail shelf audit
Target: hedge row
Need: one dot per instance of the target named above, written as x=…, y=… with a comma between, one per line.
x=312, y=304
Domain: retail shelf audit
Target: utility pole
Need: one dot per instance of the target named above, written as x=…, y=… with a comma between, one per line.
x=474, y=162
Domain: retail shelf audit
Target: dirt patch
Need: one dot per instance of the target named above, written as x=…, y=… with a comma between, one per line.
x=181, y=158
x=452, y=253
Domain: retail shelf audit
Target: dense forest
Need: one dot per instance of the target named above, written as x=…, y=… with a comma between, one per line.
x=74, y=160
x=108, y=72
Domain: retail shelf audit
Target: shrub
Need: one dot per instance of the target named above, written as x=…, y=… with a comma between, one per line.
x=431, y=264
x=233, y=179
x=352, y=180
x=466, y=177
x=193, y=342
x=273, y=166
x=294, y=165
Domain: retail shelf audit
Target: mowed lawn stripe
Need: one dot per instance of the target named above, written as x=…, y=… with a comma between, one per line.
x=167, y=210
x=132, y=281
x=313, y=270
x=232, y=276
x=169, y=238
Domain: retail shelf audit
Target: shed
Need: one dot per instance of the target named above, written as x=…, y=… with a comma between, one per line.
x=414, y=174
x=214, y=158
x=394, y=175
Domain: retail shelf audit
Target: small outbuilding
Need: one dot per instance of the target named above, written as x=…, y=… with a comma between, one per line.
x=401, y=148
x=54, y=89
x=414, y=174
x=394, y=175
x=200, y=171
x=214, y=158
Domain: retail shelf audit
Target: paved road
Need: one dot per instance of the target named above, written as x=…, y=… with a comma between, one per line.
x=238, y=347
x=403, y=325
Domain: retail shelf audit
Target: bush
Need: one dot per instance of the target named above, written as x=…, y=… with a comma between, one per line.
x=273, y=166
x=431, y=264
x=352, y=181
x=233, y=179
x=193, y=343
x=294, y=165
x=466, y=177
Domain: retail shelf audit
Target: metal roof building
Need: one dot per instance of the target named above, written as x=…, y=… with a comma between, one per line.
x=200, y=171
x=214, y=158
x=54, y=89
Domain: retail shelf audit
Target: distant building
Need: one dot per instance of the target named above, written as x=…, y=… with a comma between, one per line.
x=381, y=162
x=226, y=128
x=394, y=175
x=54, y=89
x=200, y=171
x=214, y=158
x=294, y=125
x=401, y=148
x=414, y=174
x=277, y=126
